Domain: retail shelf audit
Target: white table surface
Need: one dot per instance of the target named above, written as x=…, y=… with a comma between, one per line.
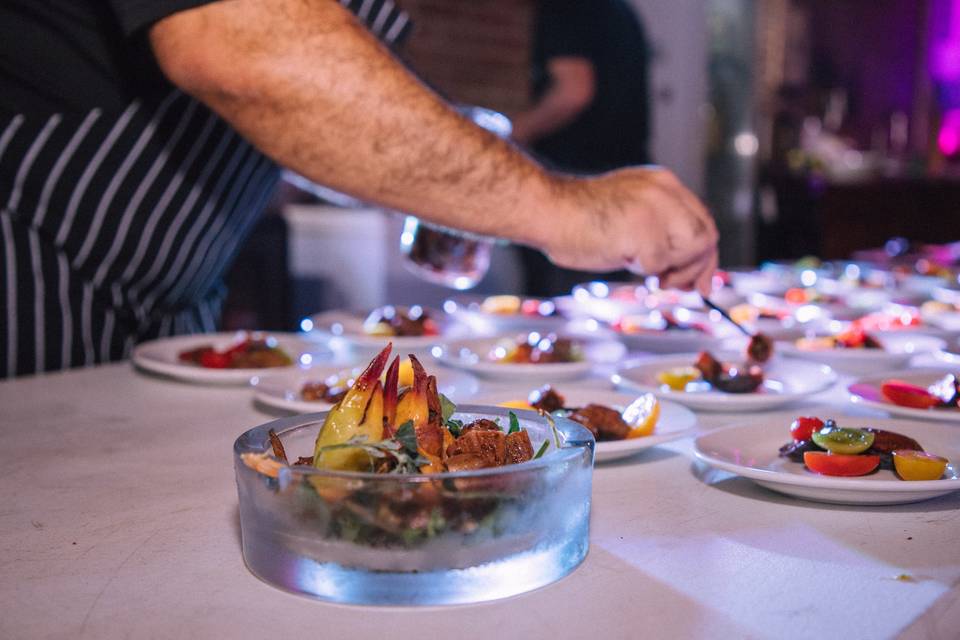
x=118, y=519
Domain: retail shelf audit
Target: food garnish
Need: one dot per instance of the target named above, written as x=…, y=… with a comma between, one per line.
x=942, y=394
x=917, y=465
x=400, y=322
x=606, y=424
x=853, y=338
x=247, y=353
x=727, y=378
x=514, y=305
x=539, y=349
x=657, y=322
x=827, y=449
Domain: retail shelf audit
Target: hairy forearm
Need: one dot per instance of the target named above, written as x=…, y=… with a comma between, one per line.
x=306, y=84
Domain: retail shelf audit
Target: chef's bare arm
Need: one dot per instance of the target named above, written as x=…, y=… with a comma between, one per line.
x=311, y=88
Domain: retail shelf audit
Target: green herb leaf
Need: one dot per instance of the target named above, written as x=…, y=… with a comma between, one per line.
x=455, y=427
x=447, y=407
x=406, y=435
x=514, y=423
x=542, y=450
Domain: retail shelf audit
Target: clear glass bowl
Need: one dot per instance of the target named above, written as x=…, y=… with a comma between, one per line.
x=451, y=538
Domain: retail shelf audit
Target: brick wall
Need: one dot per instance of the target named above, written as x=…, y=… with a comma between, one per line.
x=473, y=51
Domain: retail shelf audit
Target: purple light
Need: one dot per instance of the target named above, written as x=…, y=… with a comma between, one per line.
x=945, y=49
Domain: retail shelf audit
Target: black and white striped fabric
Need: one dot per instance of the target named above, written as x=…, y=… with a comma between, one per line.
x=116, y=226
x=383, y=17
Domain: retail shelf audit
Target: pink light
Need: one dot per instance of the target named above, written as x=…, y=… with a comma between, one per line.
x=949, y=138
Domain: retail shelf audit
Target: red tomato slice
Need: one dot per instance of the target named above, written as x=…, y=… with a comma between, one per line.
x=803, y=428
x=835, y=464
x=905, y=394
x=213, y=360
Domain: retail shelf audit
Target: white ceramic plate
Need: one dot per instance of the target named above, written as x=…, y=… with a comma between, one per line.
x=786, y=381
x=345, y=329
x=473, y=356
x=676, y=421
x=751, y=451
x=162, y=356
x=899, y=348
x=282, y=390
x=866, y=392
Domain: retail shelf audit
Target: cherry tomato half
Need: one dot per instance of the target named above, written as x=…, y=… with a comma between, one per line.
x=803, y=428
x=213, y=360
x=916, y=465
x=905, y=394
x=837, y=464
x=845, y=441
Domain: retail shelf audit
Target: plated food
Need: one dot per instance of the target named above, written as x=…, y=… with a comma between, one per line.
x=623, y=424
x=410, y=500
x=535, y=358
x=752, y=451
x=227, y=358
x=400, y=322
x=926, y=393
x=407, y=328
x=676, y=378
x=661, y=331
x=861, y=352
x=246, y=352
x=825, y=448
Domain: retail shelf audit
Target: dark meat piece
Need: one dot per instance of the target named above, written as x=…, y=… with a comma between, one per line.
x=193, y=356
x=708, y=366
x=519, y=447
x=728, y=379
x=886, y=442
x=480, y=425
x=890, y=441
x=605, y=423
x=546, y=399
x=739, y=380
x=491, y=446
x=760, y=348
x=548, y=350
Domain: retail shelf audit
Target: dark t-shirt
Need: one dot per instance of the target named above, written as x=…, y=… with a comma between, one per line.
x=122, y=199
x=614, y=130
x=61, y=56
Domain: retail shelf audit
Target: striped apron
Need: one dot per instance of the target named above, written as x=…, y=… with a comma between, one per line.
x=116, y=227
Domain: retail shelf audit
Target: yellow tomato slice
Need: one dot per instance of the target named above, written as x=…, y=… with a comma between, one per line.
x=642, y=415
x=917, y=465
x=678, y=378
x=517, y=404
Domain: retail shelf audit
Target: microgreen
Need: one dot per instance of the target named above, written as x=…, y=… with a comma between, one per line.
x=514, y=423
x=542, y=450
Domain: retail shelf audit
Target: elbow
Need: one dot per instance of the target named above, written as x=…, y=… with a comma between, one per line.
x=192, y=56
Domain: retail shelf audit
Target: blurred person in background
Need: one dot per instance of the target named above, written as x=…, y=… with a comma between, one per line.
x=139, y=141
x=591, y=108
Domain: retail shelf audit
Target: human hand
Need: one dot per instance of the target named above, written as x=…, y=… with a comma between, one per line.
x=641, y=219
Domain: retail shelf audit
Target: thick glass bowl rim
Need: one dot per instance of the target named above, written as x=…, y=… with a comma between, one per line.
x=575, y=438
